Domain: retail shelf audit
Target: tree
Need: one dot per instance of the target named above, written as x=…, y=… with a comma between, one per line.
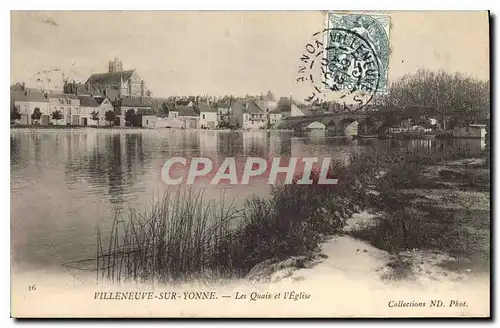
x=57, y=115
x=441, y=94
x=15, y=115
x=164, y=107
x=129, y=117
x=37, y=114
x=110, y=116
x=95, y=117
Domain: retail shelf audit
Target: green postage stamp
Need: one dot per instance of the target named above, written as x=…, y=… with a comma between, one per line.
x=373, y=30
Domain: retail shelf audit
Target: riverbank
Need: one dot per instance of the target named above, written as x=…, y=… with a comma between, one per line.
x=58, y=127
x=107, y=127
x=419, y=236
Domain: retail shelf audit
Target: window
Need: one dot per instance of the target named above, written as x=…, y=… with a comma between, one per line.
x=203, y=116
x=467, y=129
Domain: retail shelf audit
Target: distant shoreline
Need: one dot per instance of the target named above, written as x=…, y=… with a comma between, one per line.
x=63, y=127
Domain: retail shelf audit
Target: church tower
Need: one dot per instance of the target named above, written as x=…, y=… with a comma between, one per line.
x=115, y=65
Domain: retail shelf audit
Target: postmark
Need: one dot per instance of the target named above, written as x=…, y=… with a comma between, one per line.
x=342, y=65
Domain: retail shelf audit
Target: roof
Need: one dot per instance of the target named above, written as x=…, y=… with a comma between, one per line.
x=186, y=111
x=477, y=125
x=28, y=96
x=63, y=95
x=134, y=102
x=99, y=99
x=253, y=108
x=157, y=103
x=110, y=78
x=311, y=110
x=145, y=111
x=88, y=101
x=238, y=105
x=112, y=94
x=206, y=108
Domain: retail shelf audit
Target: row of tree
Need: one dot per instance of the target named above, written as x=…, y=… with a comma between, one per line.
x=15, y=115
x=441, y=95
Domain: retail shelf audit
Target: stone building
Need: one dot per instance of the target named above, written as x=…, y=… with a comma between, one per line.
x=126, y=82
x=67, y=105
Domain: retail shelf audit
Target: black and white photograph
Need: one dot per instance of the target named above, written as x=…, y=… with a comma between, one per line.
x=257, y=164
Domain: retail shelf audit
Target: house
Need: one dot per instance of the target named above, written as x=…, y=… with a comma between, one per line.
x=188, y=116
x=315, y=126
x=224, y=110
x=351, y=128
x=266, y=105
x=470, y=131
x=105, y=105
x=245, y=114
x=296, y=111
x=137, y=104
x=208, y=116
x=27, y=100
x=127, y=83
x=146, y=117
x=89, y=105
x=67, y=105
x=174, y=113
x=274, y=117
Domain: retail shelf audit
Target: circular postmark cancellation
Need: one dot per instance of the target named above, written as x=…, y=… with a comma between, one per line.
x=341, y=67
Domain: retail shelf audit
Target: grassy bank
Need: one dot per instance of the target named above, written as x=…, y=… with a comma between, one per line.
x=437, y=203
x=181, y=237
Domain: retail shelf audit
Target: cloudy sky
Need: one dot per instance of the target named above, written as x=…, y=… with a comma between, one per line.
x=184, y=53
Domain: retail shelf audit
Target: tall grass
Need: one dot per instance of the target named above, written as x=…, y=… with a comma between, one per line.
x=179, y=237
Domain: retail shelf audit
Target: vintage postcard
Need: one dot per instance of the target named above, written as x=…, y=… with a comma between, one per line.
x=253, y=164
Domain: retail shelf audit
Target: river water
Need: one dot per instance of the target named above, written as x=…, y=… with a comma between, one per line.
x=66, y=182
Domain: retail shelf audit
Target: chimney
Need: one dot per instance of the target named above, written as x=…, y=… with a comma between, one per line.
x=142, y=88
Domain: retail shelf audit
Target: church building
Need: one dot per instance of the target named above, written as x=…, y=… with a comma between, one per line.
x=126, y=82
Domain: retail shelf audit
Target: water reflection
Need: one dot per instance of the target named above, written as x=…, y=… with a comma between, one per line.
x=64, y=182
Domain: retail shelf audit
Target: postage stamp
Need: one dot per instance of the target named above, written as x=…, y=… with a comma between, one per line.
x=347, y=62
x=375, y=30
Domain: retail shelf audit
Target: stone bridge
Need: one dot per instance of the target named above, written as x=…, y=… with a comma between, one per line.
x=369, y=122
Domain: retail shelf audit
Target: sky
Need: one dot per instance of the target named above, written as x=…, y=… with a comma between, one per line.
x=218, y=53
